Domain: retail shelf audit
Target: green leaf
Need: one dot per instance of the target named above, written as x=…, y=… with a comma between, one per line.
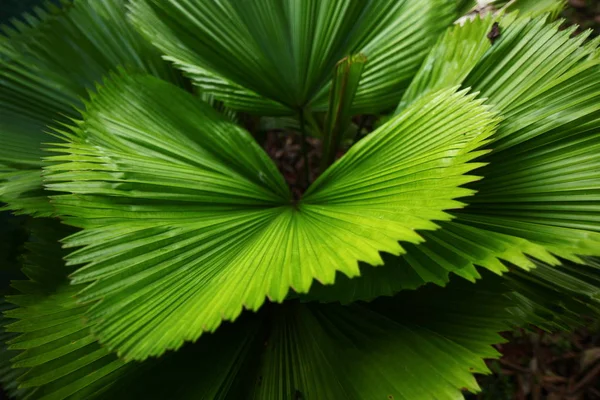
x=8, y=376
x=451, y=59
x=423, y=344
x=557, y=297
x=464, y=6
x=419, y=343
x=278, y=57
x=428, y=341
x=41, y=88
x=533, y=8
x=23, y=192
x=51, y=352
x=539, y=195
x=454, y=248
x=186, y=220
x=58, y=351
x=542, y=178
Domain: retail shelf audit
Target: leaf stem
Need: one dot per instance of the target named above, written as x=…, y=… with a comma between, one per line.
x=361, y=126
x=310, y=118
x=306, y=176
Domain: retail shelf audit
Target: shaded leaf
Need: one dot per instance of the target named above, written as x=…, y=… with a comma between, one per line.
x=426, y=343
x=51, y=352
x=278, y=57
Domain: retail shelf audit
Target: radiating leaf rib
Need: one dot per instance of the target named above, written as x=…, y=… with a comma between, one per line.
x=538, y=198
x=557, y=297
x=54, y=355
x=395, y=39
x=416, y=345
x=386, y=348
x=454, y=248
x=8, y=375
x=427, y=342
x=531, y=192
x=47, y=64
x=532, y=8
x=451, y=59
x=58, y=352
x=278, y=57
x=182, y=229
x=548, y=196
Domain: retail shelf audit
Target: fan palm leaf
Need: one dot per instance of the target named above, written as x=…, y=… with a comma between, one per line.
x=41, y=88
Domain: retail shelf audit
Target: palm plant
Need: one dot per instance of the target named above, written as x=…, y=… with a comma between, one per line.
x=168, y=257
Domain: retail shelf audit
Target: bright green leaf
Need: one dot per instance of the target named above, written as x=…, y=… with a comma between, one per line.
x=532, y=8
x=187, y=220
x=452, y=58
x=47, y=64
x=540, y=192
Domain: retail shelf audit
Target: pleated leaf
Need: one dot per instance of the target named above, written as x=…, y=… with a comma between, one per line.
x=51, y=353
x=274, y=58
x=539, y=196
x=186, y=220
x=47, y=63
x=557, y=298
x=8, y=375
x=451, y=59
x=533, y=8
x=541, y=183
x=58, y=352
x=424, y=344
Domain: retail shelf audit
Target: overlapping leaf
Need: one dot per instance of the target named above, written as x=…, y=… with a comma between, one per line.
x=560, y=297
x=51, y=353
x=8, y=374
x=182, y=229
x=46, y=65
x=540, y=194
x=451, y=59
x=277, y=57
x=401, y=347
x=58, y=354
x=532, y=8
x=543, y=183
x=425, y=343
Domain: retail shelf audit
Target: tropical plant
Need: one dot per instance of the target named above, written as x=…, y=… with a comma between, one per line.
x=167, y=256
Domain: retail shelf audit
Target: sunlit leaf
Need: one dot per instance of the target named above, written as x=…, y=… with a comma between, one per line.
x=183, y=230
